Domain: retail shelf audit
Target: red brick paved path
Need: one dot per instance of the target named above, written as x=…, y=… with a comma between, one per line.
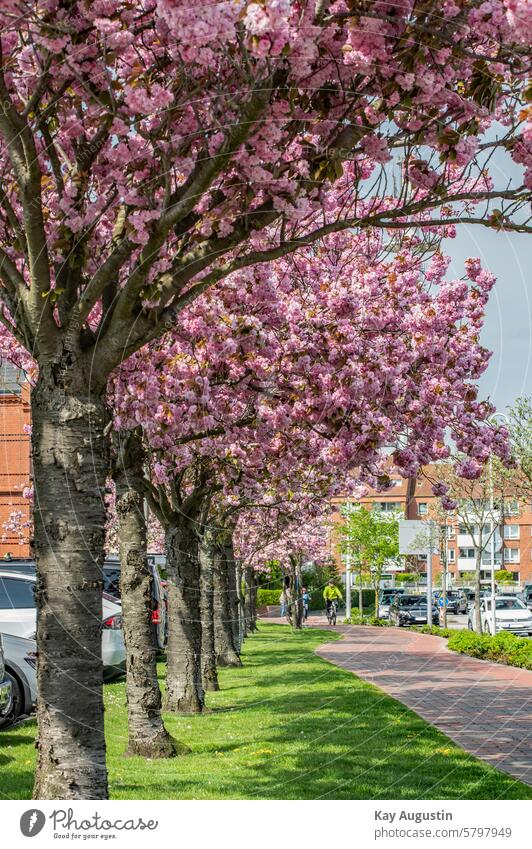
x=486, y=708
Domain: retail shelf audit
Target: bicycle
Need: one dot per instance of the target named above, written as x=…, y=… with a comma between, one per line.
x=332, y=612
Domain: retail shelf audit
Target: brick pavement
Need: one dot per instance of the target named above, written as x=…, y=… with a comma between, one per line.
x=486, y=708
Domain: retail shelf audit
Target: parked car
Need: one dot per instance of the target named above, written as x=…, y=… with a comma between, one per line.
x=18, y=616
x=111, y=586
x=111, y=578
x=511, y=615
x=385, y=599
x=20, y=659
x=456, y=601
x=5, y=687
x=411, y=610
x=527, y=597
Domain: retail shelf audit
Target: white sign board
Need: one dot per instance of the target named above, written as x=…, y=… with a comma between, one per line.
x=413, y=536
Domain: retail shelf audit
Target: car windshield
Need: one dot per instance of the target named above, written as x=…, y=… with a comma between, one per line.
x=16, y=594
x=412, y=601
x=509, y=604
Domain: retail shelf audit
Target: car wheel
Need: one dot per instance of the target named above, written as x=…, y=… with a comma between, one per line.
x=16, y=706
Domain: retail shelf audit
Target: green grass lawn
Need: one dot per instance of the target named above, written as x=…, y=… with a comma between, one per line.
x=287, y=726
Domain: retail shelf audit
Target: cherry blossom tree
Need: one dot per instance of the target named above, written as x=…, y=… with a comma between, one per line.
x=275, y=386
x=147, y=151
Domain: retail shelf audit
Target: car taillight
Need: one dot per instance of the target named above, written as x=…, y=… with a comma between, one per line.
x=31, y=659
x=156, y=616
x=113, y=623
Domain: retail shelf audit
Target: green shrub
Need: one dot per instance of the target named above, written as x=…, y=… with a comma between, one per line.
x=405, y=578
x=365, y=619
x=504, y=576
x=503, y=648
x=433, y=629
x=267, y=597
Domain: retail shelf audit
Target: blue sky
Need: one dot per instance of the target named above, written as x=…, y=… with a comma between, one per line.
x=508, y=324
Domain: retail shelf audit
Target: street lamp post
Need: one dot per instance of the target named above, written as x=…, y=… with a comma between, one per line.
x=493, y=419
x=348, y=567
x=429, y=574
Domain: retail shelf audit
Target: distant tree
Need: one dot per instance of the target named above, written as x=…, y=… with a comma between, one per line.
x=520, y=416
x=371, y=538
x=479, y=497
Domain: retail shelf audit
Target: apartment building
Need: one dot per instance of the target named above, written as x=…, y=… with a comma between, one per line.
x=14, y=461
x=512, y=540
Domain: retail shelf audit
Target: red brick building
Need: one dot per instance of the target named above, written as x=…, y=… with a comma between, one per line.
x=14, y=459
x=413, y=498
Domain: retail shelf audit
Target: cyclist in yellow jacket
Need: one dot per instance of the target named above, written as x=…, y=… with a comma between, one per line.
x=331, y=593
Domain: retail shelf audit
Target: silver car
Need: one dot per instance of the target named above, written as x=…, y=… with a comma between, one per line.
x=20, y=663
x=5, y=687
x=18, y=616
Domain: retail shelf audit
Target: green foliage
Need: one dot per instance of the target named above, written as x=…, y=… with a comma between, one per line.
x=503, y=648
x=468, y=576
x=266, y=597
x=435, y=630
x=521, y=439
x=504, y=576
x=365, y=619
x=405, y=578
x=272, y=578
x=371, y=538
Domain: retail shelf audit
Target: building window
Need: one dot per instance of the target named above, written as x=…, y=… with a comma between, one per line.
x=467, y=553
x=422, y=508
x=462, y=530
x=388, y=506
x=451, y=555
x=511, y=555
x=511, y=531
x=450, y=531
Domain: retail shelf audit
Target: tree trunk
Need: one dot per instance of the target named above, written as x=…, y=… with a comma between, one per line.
x=184, y=689
x=296, y=602
x=226, y=648
x=208, y=654
x=147, y=735
x=233, y=594
x=241, y=615
x=250, y=599
x=70, y=465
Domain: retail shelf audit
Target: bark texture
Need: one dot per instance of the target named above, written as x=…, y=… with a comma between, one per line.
x=225, y=610
x=184, y=688
x=70, y=464
x=147, y=735
x=242, y=633
x=208, y=654
x=295, y=606
x=250, y=599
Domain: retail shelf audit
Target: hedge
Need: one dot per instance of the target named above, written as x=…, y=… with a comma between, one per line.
x=267, y=597
x=503, y=648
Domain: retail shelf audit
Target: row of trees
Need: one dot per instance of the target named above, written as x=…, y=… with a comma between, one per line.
x=216, y=231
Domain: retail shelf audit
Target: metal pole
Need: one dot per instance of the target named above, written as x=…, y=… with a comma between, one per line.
x=429, y=578
x=492, y=547
x=348, y=569
x=493, y=419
